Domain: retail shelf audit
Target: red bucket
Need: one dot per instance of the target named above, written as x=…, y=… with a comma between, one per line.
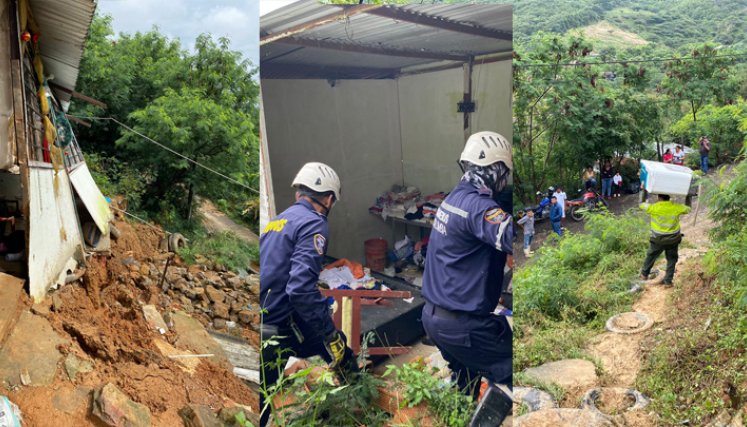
x=376, y=253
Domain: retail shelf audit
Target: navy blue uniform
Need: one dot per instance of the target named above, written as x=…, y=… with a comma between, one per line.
x=292, y=249
x=469, y=243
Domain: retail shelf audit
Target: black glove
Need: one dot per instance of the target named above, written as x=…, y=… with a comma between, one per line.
x=335, y=344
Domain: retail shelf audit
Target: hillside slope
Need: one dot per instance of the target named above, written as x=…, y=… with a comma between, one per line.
x=673, y=23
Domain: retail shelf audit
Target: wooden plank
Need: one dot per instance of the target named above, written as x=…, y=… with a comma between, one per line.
x=365, y=293
x=388, y=351
x=22, y=147
x=78, y=121
x=74, y=94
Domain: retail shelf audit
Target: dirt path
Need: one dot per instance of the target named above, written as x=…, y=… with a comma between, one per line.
x=621, y=355
x=217, y=222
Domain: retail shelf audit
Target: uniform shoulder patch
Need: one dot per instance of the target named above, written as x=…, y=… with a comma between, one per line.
x=320, y=243
x=495, y=216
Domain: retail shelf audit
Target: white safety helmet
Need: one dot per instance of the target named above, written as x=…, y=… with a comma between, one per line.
x=318, y=177
x=487, y=148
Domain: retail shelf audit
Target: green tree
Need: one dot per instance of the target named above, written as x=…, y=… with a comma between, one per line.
x=202, y=104
x=126, y=73
x=700, y=78
x=212, y=134
x=722, y=125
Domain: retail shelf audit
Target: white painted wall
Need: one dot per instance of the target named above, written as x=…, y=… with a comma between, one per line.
x=376, y=133
x=54, y=233
x=354, y=128
x=433, y=130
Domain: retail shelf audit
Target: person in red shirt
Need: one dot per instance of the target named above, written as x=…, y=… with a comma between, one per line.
x=667, y=157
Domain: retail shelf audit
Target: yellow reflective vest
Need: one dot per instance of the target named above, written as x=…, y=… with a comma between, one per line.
x=665, y=216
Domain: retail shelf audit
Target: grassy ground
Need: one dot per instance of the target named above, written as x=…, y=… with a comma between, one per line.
x=572, y=286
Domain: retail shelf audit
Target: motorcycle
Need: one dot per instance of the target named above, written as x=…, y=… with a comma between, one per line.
x=541, y=211
x=590, y=201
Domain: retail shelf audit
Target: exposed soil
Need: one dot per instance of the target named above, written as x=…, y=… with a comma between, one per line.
x=104, y=323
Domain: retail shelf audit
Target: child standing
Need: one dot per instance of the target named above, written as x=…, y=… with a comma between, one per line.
x=617, y=184
x=527, y=223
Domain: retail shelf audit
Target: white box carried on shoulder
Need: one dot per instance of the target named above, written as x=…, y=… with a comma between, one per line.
x=665, y=178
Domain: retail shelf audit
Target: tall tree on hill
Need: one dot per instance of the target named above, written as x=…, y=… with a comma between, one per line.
x=701, y=77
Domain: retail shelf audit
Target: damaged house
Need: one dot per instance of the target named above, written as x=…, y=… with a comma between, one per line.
x=52, y=214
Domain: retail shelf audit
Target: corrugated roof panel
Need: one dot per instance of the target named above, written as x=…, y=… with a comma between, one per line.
x=368, y=29
x=64, y=26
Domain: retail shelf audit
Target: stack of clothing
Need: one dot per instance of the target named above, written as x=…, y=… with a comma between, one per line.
x=407, y=203
x=346, y=274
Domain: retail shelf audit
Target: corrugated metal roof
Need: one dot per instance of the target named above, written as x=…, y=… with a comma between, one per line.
x=64, y=26
x=284, y=59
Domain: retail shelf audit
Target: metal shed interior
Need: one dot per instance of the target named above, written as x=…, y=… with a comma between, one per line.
x=373, y=91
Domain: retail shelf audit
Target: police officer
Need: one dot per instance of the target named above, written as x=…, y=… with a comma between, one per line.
x=295, y=314
x=665, y=235
x=469, y=244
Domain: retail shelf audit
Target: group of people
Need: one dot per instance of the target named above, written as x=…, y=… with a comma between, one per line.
x=612, y=181
x=678, y=157
x=557, y=214
x=473, y=231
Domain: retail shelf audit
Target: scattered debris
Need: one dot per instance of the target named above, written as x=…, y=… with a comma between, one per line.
x=73, y=366
x=154, y=319
x=30, y=355
x=115, y=409
x=199, y=416
x=102, y=330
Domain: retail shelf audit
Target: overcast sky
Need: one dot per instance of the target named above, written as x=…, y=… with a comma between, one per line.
x=186, y=19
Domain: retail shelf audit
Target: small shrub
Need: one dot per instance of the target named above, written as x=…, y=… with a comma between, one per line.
x=419, y=384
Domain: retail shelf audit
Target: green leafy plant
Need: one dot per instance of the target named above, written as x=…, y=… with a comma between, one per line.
x=322, y=399
x=419, y=384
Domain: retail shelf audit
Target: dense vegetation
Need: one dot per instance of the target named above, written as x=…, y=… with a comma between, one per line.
x=672, y=24
x=202, y=104
x=574, y=286
x=567, y=115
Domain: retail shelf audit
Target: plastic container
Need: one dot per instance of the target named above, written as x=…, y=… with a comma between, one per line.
x=376, y=253
x=665, y=178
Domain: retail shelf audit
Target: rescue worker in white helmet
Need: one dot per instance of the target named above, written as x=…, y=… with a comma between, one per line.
x=471, y=239
x=295, y=313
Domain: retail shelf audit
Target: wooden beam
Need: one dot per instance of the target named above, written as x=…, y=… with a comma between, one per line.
x=374, y=49
x=78, y=121
x=74, y=94
x=440, y=23
x=303, y=71
x=345, y=12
